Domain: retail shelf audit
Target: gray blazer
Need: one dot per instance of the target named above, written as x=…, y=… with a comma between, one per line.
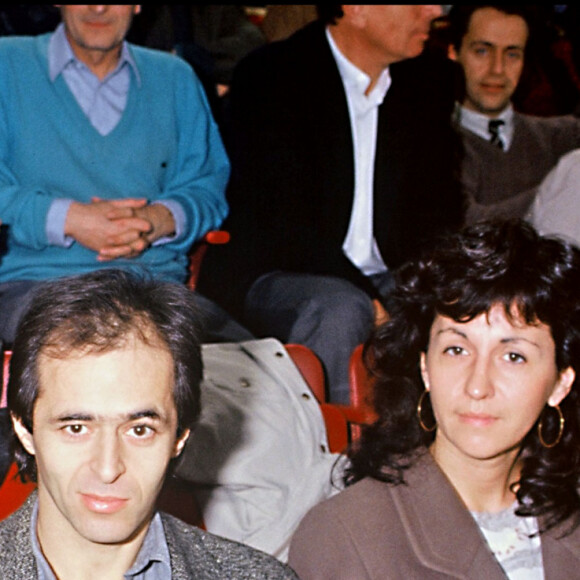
x=421, y=530
x=195, y=554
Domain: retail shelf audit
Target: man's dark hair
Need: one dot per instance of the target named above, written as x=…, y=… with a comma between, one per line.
x=329, y=13
x=459, y=18
x=99, y=312
x=461, y=277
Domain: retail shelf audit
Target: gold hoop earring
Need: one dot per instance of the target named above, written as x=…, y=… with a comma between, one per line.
x=419, y=411
x=560, y=429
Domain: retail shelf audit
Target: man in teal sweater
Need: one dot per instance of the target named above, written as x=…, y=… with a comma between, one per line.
x=109, y=156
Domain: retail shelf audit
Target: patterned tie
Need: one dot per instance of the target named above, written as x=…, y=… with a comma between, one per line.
x=493, y=129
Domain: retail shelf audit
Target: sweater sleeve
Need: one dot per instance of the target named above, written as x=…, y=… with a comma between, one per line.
x=201, y=169
x=23, y=209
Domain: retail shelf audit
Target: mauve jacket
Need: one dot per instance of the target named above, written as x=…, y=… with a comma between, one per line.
x=420, y=530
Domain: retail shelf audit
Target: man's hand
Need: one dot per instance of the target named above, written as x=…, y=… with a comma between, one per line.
x=160, y=218
x=161, y=224
x=381, y=315
x=104, y=225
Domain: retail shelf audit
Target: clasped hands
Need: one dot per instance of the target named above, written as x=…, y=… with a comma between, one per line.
x=120, y=228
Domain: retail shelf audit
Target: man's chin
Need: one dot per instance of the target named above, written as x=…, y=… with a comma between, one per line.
x=490, y=109
x=111, y=532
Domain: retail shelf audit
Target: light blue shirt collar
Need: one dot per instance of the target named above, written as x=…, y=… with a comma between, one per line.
x=153, y=560
x=60, y=55
x=478, y=123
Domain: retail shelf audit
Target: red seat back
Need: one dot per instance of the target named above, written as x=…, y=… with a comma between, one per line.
x=13, y=492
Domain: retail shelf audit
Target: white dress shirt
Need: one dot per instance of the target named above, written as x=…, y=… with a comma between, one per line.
x=478, y=123
x=360, y=245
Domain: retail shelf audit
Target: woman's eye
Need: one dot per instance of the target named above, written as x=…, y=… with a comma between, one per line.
x=454, y=350
x=514, y=357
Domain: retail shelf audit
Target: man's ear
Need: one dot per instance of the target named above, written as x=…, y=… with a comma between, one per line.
x=452, y=53
x=355, y=14
x=23, y=434
x=180, y=443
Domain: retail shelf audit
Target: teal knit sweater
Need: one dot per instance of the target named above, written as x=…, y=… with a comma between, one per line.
x=166, y=147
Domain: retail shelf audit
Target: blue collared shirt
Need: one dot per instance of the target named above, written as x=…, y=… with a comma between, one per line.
x=103, y=102
x=153, y=561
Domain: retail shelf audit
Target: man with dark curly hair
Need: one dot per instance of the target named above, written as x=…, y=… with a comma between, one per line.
x=343, y=161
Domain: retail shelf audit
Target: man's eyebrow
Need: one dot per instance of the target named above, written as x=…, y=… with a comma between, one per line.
x=146, y=414
x=73, y=417
x=481, y=42
x=487, y=44
x=84, y=417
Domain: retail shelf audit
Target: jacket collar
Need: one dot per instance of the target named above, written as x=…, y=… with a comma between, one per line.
x=435, y=534
x=437, y=523
x=18, y=561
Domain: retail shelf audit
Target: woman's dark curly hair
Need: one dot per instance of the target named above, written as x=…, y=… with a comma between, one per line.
x=464, y=275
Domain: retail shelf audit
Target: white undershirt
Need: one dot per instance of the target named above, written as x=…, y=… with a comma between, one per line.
x=360, y=245
x=514, y=541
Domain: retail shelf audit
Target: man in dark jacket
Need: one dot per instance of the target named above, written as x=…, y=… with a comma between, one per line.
x=342, y=169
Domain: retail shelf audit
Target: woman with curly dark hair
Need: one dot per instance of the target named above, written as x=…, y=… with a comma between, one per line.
x=472, y=468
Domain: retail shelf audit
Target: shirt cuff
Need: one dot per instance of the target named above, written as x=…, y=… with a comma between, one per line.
x=55, y=220
x=179, y=220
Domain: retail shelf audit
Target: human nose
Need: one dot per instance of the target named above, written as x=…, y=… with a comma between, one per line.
x=107, y=460
x=479, y=383
x=497, y=62
x=98, y=8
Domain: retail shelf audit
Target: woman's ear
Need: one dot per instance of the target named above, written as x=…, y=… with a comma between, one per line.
x=562, y=386
x=424, y=373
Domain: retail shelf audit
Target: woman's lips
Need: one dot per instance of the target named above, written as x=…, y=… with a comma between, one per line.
x=477, y=419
